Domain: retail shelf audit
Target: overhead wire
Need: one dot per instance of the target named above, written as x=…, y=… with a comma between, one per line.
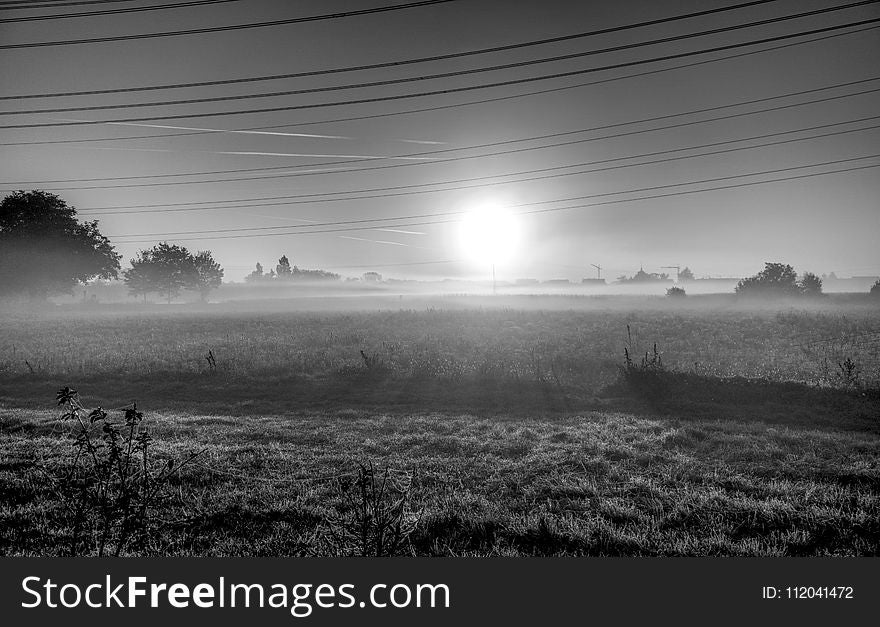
x=491, y=144
x=230, y=27
x=396, y=63
x=428, y=93
x=558, y=200
x=503, y=142
x=19, y=5
x=365, y=194
x=143, y=9
x=289, y=125
x=421, y=77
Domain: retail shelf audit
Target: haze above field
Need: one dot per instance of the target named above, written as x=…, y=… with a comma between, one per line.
x=821, y=223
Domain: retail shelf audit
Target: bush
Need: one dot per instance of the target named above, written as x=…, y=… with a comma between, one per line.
x=676, y=292
x=113, y=489
x=780, y=280
x=776, y=279
x=810, y=284
x=875, y=289
x=376, y=519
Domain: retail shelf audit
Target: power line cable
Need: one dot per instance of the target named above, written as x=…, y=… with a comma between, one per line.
x=426, y=77
x=536, y=211
x=441, y=107
x=22, y=5
x=388, y=64
x=230, y=27
x=558, y=200
x=434, y=92
x=331, y=196
x=153, y=7
x=365, y=194
x=499, y=143
x=468, y=157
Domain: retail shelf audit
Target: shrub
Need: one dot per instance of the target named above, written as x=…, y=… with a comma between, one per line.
x=810, y=284
x=776, y=279
x=376, y=519
x=648, y=376
x=113, y=489
x=676, y=292
x=875, y=289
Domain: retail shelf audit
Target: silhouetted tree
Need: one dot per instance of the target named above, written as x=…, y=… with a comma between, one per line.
x=776, y=279
x=256, y=275
x=139, y=278
x=167, y=268
x=45, y=250
x=208, y=274
x=644, y=277
x=283, y=269
x=686, y=274
x=810, y=284
x=676, y=292
x=875, y=289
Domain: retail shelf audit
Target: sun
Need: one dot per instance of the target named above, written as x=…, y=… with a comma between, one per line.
x=489, y=234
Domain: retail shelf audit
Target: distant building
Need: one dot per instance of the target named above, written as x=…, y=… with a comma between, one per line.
x=557, y=282
x=593, y=282
x=526, y=281
x=372, y=277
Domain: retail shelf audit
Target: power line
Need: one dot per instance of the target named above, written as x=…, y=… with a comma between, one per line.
x=443, y=107
x=328, y=196
x=555, y=209
x=323, y=197
x=481, y=156
x=388, y=64
x=426, y=77
x=23, y=5
x=153, y=7
x=719, y=143
x=230, y=27
x=440, y=91
x=537, y=211
x=498, y=143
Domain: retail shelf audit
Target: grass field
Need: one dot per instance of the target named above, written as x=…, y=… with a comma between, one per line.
x=511, y=430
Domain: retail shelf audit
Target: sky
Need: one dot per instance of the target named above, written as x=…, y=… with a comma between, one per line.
x=323, y=162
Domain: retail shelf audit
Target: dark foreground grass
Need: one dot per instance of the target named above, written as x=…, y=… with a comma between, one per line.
x=504, y=432
x=593, y=483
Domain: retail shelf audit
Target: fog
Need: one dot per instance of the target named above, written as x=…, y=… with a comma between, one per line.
x=342, y=296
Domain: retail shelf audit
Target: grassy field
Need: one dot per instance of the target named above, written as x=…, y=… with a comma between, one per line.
x=456, y=430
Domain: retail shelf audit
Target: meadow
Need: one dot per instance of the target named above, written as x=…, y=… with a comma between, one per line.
x=453, y=427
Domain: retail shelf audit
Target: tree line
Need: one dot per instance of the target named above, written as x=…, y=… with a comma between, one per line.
x=285, y=272
x=45, y=250
x=167, y=269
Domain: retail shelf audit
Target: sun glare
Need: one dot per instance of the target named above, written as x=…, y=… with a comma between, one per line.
x=489, y=234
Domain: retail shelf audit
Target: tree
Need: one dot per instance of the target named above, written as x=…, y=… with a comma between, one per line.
x=165, y=268
x=256, y=275
x=810, y=284
x=644, y=277
x=283, y=269
x=208, y=273
x=776, y=279
x=140, y=278
x=676, y=292
x=686, y=274
x=875, y=289
x=45, y=250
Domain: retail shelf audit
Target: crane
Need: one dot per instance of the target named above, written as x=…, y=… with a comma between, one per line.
x=598, y=270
